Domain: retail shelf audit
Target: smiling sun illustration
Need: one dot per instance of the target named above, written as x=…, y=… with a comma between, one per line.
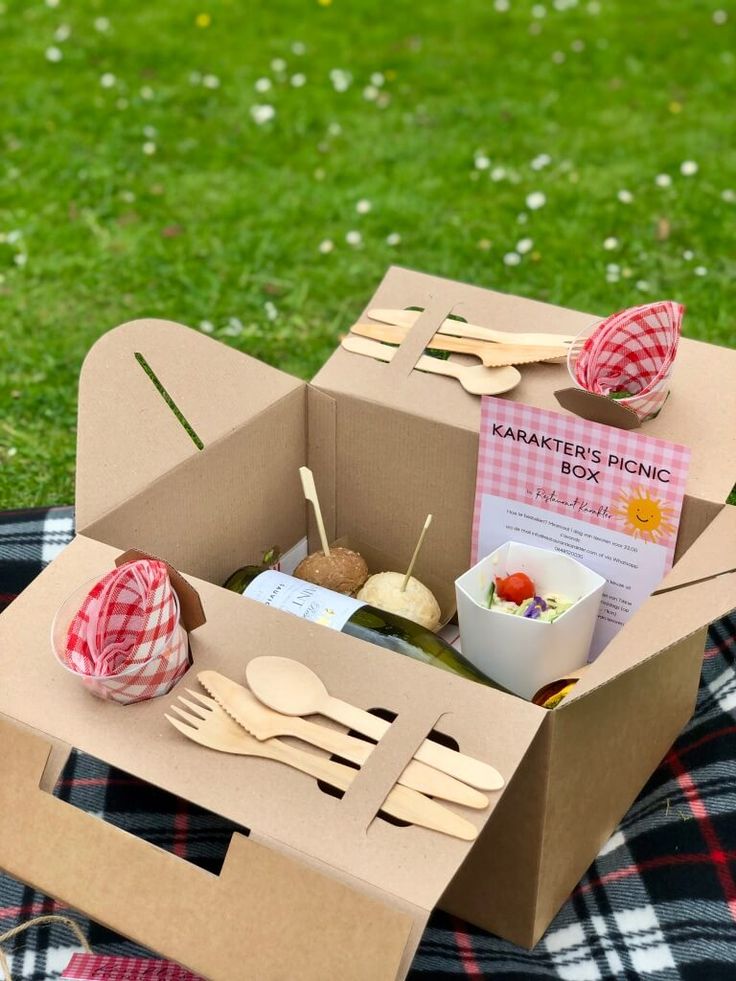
x=644, y=515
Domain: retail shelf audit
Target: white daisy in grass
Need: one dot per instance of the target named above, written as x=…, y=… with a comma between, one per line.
x=482, y=162
x=150, y=132
x=536, y=200
x=101, y=24
x=298, y=80
x=502, y=6
x=206, y=326
x=663, y=180
x=334, y=129
x=593, y=8
x=370, y=93
x=728, y=195
x=624, y=196
x=363, y=206
x=700, y=271
x=108, y=80
x=611, y=243
x=211, y=81
x=720, y=17
x=14, y=236
x=688, y=255
x=484, y=244
x=511, y=259
x=688, y=168
x=149, y=148
x=643, y=285
x=20, y=259
x=559, y=57
x=278, y=65
x=498, y=173
x=541, y=161
x=341, y=79
x=263, y=85
x=52, y=3
x=270, y=310
x=393, y=239
x=298, y=48
x=326, y=246
x=62, y=33
x=524, y=245
x=195, y=78
x=147, y=93
x=522, y=218
x=377, y=79
x=354, y=238
x=53, y=54
x=261, y=114
x=539, y=11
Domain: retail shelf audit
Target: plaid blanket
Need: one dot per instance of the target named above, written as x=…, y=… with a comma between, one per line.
x=658, y=903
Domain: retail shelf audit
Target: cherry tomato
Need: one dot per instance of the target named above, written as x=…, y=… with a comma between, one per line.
x=517, y=587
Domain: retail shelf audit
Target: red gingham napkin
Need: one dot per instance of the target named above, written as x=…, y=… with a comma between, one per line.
x=632, y=351
x=125, y=642
x=98, y=967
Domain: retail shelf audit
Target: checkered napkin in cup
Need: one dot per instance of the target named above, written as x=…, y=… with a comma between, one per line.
x=126, y=642
x=632, y=351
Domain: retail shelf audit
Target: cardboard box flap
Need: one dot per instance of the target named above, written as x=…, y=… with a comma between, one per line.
x=713, y=554
x=410, y=863
x=293, y=919
x=700, y=588
x=443, y=400
x=127, y=433
x=664, y=620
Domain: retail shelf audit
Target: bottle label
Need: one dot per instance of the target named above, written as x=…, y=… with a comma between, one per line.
x=303, y=599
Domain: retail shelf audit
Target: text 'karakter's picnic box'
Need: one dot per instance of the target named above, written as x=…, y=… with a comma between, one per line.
x=321, y=888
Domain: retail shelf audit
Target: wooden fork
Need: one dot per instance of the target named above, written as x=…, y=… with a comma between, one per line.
x=213, y=727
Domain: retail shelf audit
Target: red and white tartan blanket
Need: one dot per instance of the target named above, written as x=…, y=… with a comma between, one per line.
x=659, y=902
x=631, y=351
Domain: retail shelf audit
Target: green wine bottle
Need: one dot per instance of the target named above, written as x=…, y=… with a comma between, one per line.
x=352, y=617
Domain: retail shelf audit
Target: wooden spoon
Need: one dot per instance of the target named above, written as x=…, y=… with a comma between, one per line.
x=492, y=355
x=291, y=687
x=476, y=379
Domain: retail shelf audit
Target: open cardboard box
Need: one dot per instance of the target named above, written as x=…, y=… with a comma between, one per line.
x=320, y=887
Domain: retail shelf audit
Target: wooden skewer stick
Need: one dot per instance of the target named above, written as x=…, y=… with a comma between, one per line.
x=310, y=492
x=407, y=577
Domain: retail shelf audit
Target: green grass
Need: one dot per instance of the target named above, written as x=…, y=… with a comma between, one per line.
x=222, y=223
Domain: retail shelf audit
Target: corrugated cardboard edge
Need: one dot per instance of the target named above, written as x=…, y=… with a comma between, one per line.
x=268, y=905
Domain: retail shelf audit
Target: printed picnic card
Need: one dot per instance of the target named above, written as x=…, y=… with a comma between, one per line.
x=610, y=498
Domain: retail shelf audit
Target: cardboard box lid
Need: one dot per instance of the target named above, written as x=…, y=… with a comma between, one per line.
x=412, y=864
x=699, y=368
x=128, y=436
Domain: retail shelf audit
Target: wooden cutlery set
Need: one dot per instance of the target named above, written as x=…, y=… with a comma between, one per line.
x=248, y=721
x=498, y=350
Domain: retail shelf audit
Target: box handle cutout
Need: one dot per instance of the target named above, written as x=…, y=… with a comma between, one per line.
x=388, y=716
x=178, y=414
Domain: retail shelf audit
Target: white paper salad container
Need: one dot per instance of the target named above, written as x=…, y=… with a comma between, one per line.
x=517, y=652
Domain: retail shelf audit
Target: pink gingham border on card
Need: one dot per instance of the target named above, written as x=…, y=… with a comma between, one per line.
x=505, y=467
